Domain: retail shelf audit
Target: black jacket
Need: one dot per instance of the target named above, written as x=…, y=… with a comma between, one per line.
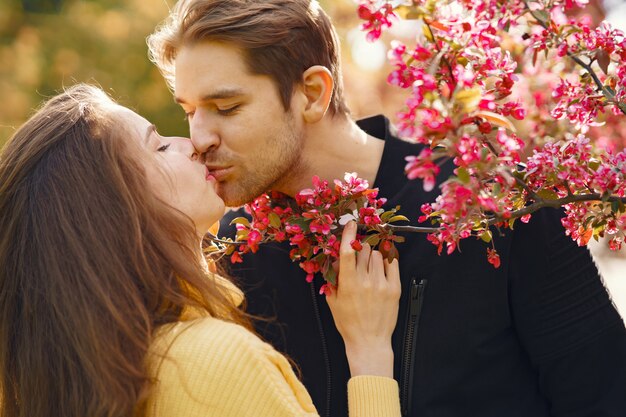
x=537, y=337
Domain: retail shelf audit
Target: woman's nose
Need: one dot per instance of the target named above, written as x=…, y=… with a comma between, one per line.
x=185, y=146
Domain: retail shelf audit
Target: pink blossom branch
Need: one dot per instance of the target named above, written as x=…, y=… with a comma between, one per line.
x=518, y=213
x=443, y=56
x=587, y=67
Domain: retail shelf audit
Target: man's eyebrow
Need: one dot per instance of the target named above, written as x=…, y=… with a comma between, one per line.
x=222, y=93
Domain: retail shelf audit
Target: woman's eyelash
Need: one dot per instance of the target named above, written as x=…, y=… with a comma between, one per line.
x=163, y=148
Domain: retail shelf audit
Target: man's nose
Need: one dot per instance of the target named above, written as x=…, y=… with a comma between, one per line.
x=204, y=134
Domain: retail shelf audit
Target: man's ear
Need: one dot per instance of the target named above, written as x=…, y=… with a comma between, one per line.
x=317, y=86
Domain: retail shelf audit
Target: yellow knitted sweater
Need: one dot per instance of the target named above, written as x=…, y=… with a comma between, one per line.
x=208, y=367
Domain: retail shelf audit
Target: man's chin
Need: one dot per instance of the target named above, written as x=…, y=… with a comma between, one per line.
x=235, y=198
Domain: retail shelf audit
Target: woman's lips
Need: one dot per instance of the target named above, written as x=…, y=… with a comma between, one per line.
x=219, y=173
x=208, y=176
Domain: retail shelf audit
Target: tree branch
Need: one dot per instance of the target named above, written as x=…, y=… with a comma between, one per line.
x=517, y=213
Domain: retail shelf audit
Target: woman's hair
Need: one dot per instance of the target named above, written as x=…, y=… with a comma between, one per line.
x=91, y=262
x=279, y=38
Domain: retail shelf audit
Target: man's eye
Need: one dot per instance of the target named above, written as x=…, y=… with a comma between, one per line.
x=163, y=148
x=189, y=115
x=230, y=110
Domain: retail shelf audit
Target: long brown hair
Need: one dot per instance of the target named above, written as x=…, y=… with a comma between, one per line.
x=91, y=262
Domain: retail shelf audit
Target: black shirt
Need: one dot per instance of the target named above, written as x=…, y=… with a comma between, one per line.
x=536, y=337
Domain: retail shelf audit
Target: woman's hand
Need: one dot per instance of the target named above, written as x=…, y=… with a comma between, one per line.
x=365, y=306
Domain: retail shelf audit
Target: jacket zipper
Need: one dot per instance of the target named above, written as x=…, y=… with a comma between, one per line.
x=416, y=298
x=318, y=319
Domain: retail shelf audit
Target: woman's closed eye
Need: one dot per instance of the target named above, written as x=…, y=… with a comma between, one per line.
x=163, y=148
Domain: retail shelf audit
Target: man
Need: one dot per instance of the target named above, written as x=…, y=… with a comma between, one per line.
x=261, y=84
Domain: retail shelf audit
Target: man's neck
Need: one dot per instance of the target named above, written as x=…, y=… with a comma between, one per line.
x=333, y=147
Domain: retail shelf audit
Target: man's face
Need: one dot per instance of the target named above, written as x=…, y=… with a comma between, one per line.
x=237, y=121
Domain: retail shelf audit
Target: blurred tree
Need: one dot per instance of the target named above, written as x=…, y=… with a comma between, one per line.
x=95, y=41
x=42, y=6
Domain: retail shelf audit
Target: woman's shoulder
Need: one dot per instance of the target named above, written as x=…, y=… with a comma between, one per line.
x=202, y=337
x=209, y=364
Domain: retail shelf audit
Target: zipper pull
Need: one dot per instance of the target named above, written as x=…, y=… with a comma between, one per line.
x=417, y=291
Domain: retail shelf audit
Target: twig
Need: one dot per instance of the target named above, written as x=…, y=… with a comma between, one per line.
x=587, y=67
x=443, y=57
x=214, y=238
x=529, y=190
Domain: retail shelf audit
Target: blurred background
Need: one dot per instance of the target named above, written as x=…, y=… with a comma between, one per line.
x=48, y=44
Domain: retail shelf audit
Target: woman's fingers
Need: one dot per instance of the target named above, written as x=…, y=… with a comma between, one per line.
x=347, y=257
x=363, y=259
x=376, y=267
x=392, y=272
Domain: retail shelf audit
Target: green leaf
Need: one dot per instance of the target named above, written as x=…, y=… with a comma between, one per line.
x=594, y=164
x=409, y=12
x=240, y=220
x=547, y=194
x=372, y=240
x=302, y=222
x=398, y=218
x=242, y=234
x=393, y=253
x=274, y=220
x=483, y=153
x=542, y=15
x=330, y=275
x=463, y=175
x=387, y=215
x=427, y=33
x=603, y=59
x=469, y=99
x=486, y=236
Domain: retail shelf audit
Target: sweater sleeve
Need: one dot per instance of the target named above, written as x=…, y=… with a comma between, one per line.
x=565, y=319
x=208, y=367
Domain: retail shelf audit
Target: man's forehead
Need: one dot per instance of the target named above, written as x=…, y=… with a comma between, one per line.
x=210, y=71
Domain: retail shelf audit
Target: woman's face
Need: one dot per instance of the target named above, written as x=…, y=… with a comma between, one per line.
x=174, y=172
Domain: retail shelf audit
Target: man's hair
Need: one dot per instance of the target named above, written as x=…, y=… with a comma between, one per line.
x=279, y=38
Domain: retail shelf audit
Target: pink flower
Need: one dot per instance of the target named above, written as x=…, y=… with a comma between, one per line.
x=326, y=289
x=254, y=238
x=493, y=258
x=356, y=245
x=423, y=167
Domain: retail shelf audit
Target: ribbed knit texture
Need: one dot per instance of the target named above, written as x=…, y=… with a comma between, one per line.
x=361, y=390
x=208, y=367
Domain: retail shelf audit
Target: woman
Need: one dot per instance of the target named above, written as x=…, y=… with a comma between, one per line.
x=108, y=307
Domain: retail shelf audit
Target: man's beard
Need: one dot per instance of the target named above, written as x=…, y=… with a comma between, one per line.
x=271, y=170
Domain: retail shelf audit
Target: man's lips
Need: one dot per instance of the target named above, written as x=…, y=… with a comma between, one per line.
x=218, y=172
